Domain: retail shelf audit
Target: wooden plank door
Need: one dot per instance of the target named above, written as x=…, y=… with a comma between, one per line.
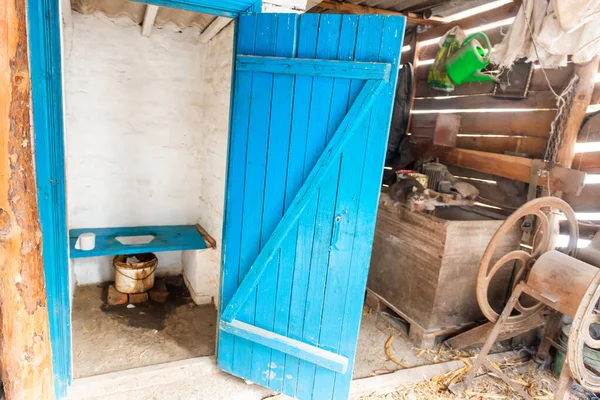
x=311, y=109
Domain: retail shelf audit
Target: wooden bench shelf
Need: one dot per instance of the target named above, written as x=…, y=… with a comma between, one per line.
x=166, y=238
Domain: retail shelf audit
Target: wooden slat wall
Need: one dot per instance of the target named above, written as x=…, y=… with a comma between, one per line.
x=516, y=131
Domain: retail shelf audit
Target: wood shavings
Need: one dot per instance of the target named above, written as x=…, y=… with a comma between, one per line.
x=388, y=352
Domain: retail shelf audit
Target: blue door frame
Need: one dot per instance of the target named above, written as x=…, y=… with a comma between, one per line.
x=44, y=33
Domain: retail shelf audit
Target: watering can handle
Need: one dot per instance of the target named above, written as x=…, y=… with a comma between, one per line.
x=484, y=38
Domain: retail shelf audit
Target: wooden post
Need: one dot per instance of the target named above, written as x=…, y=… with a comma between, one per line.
x=581, y=101
x=26, y=353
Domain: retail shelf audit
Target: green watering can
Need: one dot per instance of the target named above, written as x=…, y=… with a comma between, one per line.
x=466, y=63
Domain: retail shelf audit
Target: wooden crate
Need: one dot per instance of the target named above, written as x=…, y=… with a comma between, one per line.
x=425, y=268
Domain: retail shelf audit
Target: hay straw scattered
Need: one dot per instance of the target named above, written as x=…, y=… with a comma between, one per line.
x=443, y=354
x=389, y=355
x=539, y=385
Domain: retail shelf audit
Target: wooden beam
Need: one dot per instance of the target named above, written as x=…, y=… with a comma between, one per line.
x=478, y=335
x=350, y=8
x=312, y=67
x=581, y=101
x=26, y=352
x=304, y=351
x=149, y=17
x=517, y=168
x=284, y=6
x=216, y=26
x=587, y=162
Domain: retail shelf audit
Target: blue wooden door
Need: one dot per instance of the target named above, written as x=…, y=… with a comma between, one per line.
x=311, y=110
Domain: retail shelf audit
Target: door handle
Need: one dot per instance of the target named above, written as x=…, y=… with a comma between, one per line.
x=336, y=230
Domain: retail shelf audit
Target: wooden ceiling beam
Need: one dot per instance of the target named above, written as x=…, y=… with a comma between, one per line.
x=149, y=18
x=216, y=26
x=350, y=8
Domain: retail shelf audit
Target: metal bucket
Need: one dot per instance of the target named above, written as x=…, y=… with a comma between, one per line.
x=132, y=276
x=591, y=357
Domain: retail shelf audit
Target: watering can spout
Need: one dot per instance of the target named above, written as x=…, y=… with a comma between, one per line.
x=480, y=77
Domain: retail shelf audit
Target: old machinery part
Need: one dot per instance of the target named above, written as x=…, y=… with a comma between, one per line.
x=547, y=210
x=580, y=336
x=435, y=172
x=557, y=281
x=445, y=186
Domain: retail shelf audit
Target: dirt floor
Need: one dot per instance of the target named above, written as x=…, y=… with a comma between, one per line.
x=108, y=339
x=370, y=354
x=103, y=342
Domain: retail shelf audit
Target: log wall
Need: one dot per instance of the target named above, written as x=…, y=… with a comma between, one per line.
x=25, y=346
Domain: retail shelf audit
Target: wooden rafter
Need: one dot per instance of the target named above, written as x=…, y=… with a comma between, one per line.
x=358, y=9
x=149, y=17
x=216, y=26
x=26, y=351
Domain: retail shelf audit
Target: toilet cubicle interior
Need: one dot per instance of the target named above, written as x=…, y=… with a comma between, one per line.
x=146, y=130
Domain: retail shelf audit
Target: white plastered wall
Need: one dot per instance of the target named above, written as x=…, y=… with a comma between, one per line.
x=202, y=268
x=146, y=137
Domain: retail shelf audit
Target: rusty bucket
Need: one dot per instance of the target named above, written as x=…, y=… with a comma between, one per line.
x=135, y=273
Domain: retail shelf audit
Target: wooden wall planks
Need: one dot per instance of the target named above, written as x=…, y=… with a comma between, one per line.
x=508, y=124
x=314, y=289
x=535, y=100
x=532, y=126
x=533, y=146
x=517, y=131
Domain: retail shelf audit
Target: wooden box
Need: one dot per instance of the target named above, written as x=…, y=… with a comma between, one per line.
x=425, y=267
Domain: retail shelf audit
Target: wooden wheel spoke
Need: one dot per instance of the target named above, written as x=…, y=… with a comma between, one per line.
x=594, y=318
x=544, y=241
x=524, y=310
x=516, y=255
